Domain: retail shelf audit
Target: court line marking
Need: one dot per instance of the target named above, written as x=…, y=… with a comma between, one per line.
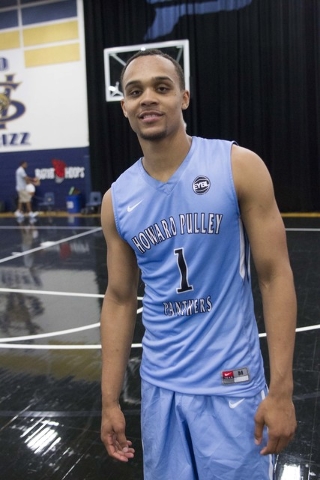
x=50, y=334
x=54, y=334
x=37, y=249
x=98, y=229
x=46, y=227
x=298, y=330
x=303, y=229
x=79, y=227
x=23, y=346
x=51, y=292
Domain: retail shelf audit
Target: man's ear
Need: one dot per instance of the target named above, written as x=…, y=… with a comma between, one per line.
x=185, y=100
x=124, y=109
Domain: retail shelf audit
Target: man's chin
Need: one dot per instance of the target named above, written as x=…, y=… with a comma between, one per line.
x=153, y=136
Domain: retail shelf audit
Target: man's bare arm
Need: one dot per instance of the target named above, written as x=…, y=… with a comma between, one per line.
x=266, y=232
x=118, y=317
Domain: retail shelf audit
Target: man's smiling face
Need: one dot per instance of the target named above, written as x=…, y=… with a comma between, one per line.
x=153, y=100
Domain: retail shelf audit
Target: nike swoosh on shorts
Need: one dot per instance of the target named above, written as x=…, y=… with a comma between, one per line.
x=235, y=404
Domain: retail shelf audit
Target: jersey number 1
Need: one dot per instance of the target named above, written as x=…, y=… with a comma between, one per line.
x=184, y=284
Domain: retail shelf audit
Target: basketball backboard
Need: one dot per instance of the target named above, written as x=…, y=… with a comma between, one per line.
x=116, y=57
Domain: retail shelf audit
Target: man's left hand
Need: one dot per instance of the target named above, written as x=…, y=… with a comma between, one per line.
x=278, y=415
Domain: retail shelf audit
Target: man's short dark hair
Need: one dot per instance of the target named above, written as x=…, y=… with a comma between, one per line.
x=160, y=53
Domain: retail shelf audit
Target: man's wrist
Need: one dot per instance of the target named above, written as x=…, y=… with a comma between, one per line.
x=279, y=390
x=108, y=403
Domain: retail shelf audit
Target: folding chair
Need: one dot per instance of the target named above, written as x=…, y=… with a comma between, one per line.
x=94, y=203
x=48, y=201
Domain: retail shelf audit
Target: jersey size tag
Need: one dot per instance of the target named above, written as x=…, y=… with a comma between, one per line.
x=235, y=376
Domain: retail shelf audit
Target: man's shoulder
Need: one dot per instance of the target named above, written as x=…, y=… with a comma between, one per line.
x=213, y=147
x=129, y=172
x=213, y=141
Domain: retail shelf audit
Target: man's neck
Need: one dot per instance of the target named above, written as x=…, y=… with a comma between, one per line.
x=163, y=157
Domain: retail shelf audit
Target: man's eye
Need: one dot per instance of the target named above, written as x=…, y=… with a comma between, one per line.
x=163, y=89
x=134, y=93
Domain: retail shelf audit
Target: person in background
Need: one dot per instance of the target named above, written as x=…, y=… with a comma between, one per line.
x=187, y=214
x=24, y=193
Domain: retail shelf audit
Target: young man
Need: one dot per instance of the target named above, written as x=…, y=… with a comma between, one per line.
x=23, y=184
x=184, y=214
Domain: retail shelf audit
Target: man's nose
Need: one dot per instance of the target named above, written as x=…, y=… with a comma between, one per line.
x=148, y=97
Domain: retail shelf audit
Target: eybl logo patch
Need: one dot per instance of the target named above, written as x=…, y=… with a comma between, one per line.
x=201, y=185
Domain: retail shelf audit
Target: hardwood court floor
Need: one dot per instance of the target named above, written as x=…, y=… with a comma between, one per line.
x=52, y=281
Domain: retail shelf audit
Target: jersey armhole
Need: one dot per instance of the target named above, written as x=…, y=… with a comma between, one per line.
x=234, y=193
x=114, y=208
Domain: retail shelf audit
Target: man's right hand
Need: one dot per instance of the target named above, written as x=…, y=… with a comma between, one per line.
x=113, y=434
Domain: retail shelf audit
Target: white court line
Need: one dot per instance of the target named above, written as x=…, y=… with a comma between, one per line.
x=48, y=227
x=51, y=334
x=37, y=249
x=23, y=346
x=54, y=334
x=303, y=229
x=298, y=330
x=57, y=347
x=78, y=227
x=50, y=292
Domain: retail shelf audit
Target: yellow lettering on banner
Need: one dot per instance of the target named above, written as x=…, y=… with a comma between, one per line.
x=59, y=32
x=52, y=55
x=9, y=40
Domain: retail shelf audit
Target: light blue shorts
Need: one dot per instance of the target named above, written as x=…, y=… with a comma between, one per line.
x=201, y=437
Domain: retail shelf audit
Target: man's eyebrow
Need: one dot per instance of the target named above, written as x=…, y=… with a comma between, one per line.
x=163, y=78
x=159, y=78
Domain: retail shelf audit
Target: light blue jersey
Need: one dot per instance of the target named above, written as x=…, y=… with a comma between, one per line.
x=201, y=335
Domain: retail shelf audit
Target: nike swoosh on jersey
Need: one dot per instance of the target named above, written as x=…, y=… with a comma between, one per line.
x=235, y=404
x=130, y=208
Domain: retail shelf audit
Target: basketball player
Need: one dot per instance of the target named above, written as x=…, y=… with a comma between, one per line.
x=185, y=214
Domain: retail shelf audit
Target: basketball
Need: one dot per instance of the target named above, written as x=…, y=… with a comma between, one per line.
x=30, y=188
